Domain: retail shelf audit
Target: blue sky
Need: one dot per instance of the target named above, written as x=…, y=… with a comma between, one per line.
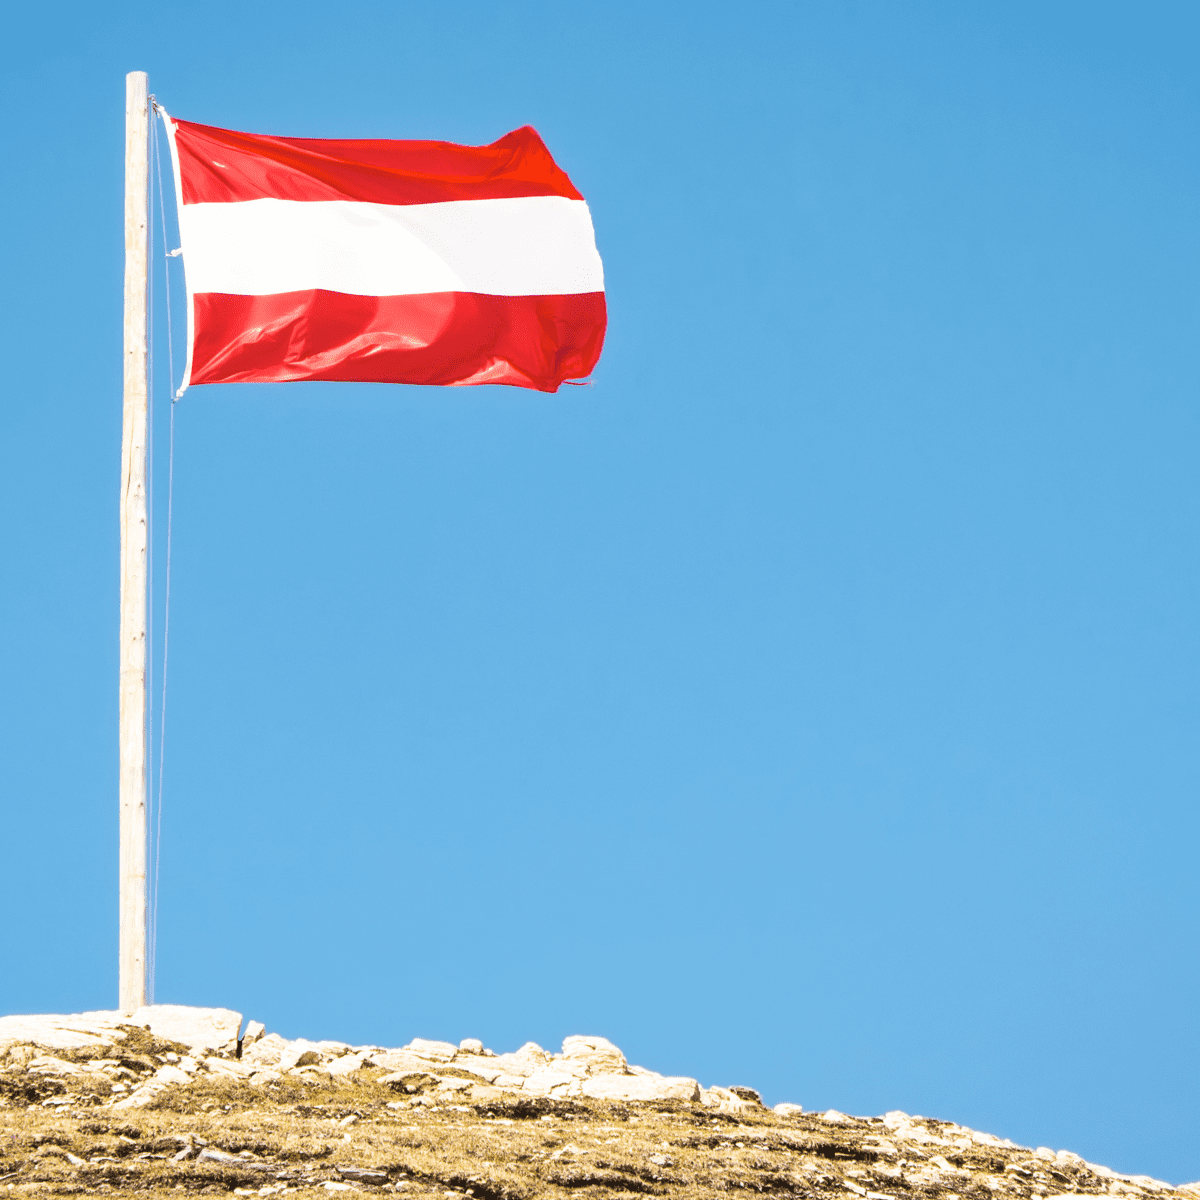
x=810, y=704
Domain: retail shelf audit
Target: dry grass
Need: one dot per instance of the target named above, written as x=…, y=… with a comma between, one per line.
x=300, y=1135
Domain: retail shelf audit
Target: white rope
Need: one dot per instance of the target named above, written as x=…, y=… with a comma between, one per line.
x=162, y=736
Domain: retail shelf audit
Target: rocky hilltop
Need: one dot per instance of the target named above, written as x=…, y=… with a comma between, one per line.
x=175, y=1099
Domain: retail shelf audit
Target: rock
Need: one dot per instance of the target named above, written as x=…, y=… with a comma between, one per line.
x=834, y=1117
x=228, y=1068
x=747, y=1094
x=163, y=1078
x=788, y=1110
x=437, y=1051
x=724, y=1100
x=57, y=1032
x=47, y=1064
x=263, y=1076
x=477, y=1065
x=545, y=1080
x=402, y=1060
x=198, y=1028
x=408, y=1081
x=346, y=1065
x=522, y=1062
x=596, y=1054
x=299, y=1053
x=265, y=1051
x=640, y=1087
x=213, y=1155
x=471, y=1046
x=254, y=1031
x=362, y=1174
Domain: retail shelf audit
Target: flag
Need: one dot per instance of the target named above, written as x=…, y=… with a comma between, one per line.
x=384, y=261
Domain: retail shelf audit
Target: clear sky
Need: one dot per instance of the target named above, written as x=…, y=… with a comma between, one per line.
x=811, y=704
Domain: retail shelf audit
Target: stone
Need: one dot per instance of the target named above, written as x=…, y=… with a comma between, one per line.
x=522, y=1062
x=362, y=1174
x=437, y=1051
x=408, y=1081
x=197, y=1028
x=402, y=1060
x=213, y=1155
x=299, y=1053
x=47, y=1064
x=477, y=1065
x=265, y=1051
x=545, y=1080
x=788, y=1110
x=747, y=1094
x=834, y=1117
x=724, y=1100
x=263, y=1076
x=228, y=1068
x=471, y=1046
x=254, y=1030
x=640, y=1087
x=62, y=1032
x=597, y=1055
x=346, y=1065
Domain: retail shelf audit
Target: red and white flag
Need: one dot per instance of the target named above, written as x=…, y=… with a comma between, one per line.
x=384, y=261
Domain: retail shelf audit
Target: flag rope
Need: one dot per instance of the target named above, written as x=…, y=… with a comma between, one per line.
x=162, y=736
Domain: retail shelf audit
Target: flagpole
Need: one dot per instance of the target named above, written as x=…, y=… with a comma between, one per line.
x=134, y=548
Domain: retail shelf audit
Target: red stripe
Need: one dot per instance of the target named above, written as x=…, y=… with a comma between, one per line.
x=221, y=165
x=440, y=338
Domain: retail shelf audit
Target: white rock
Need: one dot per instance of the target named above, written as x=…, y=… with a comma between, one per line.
x=437, y=1051
x=788, y=1110
x=522, y=1062
x=545, y=1079
x=723, y=1100
x=511, y=1083
x=254, y=1030
x=62, y=1032
x=300, y=1053
x=639, y=1087
x=198, y=1028
x=403, y=1060
x=265, y=1052
x=471, y=1046
x=229, y=1068
x=598, y=1055
x=47, y=1064
x=1044, y=1152
x=162, y=1079
x=834, y=1117
x=263, y=1076
x=346, y=1065
x=476, y=1064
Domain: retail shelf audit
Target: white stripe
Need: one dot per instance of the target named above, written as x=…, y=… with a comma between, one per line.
x=529, y=246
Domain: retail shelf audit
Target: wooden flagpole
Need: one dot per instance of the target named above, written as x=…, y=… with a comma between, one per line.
x=134, y=547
